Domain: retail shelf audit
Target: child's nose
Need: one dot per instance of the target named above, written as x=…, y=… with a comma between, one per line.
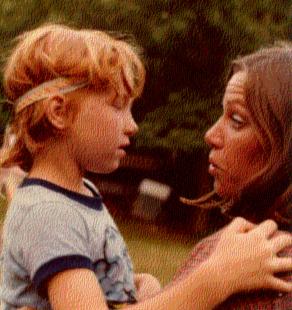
x=213, y=136
x=132, y=127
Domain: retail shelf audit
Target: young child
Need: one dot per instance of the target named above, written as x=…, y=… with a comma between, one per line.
x=73, y=91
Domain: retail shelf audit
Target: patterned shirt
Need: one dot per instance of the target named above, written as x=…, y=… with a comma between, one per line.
x=255, y=300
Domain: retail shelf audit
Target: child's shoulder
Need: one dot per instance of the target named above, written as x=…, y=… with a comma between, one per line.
x=38, y=201
x=31, y=197
x=38, y=192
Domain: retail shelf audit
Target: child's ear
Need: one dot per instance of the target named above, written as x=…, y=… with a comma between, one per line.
x=57, y=112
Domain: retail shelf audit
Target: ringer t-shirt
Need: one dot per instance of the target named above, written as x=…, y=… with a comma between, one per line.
x=49, y=229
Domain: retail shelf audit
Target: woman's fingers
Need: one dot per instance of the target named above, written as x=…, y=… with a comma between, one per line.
x=281, y=264
x=241, y=225
x=280, y=285
x=281, y=242
x=266, y=228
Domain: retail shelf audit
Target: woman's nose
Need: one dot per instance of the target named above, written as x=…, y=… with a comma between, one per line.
x=213, y=136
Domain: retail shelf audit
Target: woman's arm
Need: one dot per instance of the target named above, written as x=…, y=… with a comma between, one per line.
x=244, y=259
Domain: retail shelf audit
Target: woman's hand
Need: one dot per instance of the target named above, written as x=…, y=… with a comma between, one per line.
x=146, y=285
x=248, y=256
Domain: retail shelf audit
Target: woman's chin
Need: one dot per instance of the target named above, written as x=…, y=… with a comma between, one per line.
x=223, y=191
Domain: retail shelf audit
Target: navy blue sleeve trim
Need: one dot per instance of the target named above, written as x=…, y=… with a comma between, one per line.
x=59, y=264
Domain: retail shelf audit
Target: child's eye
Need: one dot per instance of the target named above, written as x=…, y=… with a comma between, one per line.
x=118, y=103
x=237, y=120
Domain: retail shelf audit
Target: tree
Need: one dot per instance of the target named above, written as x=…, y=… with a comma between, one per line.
x=187, y=46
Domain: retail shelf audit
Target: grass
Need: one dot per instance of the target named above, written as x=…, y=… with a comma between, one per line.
x=157, y=257
x=154, y=249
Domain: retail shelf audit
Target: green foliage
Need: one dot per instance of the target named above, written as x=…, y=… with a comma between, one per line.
x=178, y=125
x=187, y=46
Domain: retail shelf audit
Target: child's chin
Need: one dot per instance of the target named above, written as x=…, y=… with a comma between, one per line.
x=108, y=169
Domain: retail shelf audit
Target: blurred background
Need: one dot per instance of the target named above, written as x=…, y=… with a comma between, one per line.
x=187, y=46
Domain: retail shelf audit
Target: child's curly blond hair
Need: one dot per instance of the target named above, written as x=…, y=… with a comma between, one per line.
x=51, y=60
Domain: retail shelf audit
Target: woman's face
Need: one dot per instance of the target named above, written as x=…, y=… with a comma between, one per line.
x=236, y=154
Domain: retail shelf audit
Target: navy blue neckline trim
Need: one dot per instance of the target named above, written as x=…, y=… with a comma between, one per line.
x=94, y=202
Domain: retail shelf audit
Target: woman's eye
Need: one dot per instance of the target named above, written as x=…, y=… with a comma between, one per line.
x=237, y=120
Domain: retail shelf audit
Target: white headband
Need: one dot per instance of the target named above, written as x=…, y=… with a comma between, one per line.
x=47, y=90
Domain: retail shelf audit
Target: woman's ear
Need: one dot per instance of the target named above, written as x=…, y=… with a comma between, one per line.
x=57, y=112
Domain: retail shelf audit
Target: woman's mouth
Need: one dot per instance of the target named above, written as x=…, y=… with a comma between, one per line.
x=213, y=168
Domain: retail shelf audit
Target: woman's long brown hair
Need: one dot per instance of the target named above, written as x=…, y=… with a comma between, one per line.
x=268, y=93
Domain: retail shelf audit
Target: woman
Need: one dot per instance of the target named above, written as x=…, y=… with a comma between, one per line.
x=61, y=248
x=185, y=291
x=250, y=158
